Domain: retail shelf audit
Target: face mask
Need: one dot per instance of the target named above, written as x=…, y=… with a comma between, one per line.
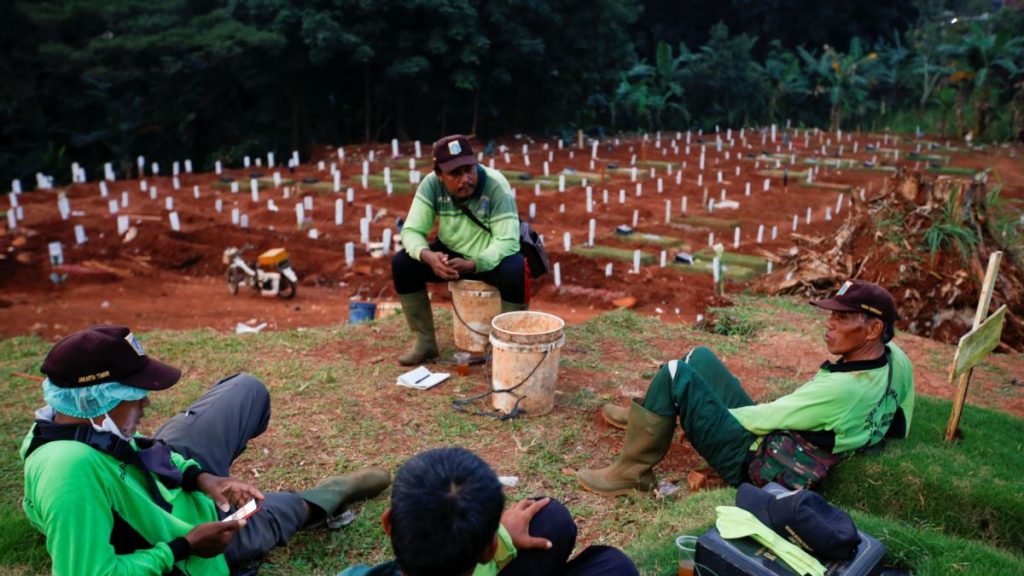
x=108, y=426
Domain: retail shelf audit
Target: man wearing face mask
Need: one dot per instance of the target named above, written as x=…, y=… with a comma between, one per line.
x=110, y=501
x=477, y=239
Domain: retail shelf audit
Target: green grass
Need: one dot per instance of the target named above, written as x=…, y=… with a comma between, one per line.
x=735, y=321
x=612, y=253
x=399, y=182
x=755, y=263
x=642, y=239
x=942, y=510
x=705, y=222
x=551, y=182
x=264, y=183
x=952, y=170
x=971, y=489
x=825, y=186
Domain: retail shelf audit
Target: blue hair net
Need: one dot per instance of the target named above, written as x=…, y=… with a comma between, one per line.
x=89, y=401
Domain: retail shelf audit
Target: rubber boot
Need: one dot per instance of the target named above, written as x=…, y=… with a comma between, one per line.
x=331, y=495
x=615, y=415
x=648, y=437
x=416, y=307
x=513, y=307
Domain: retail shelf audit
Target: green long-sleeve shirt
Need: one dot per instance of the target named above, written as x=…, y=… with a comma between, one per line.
x=493, y=205
x=843, y=399
x=505, y=554
x=72, y=494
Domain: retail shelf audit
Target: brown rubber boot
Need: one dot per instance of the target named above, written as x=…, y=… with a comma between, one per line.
x=648, y=437
x=416, y=307
x=331, y=495
x=616, y=416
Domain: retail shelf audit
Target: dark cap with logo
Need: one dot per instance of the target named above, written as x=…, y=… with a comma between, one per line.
x=105, y=354
x=452, y=152
x=804, y=518
x=861, y=296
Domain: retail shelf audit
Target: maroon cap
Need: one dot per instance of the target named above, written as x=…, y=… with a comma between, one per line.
x=453, y=151
x=105, y=354
x=860, y=296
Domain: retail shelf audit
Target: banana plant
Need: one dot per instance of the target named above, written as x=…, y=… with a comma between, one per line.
x=843, y=77
x=979, y=56
x=786, y=78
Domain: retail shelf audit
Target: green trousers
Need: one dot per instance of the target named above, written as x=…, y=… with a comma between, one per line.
x=700, y=392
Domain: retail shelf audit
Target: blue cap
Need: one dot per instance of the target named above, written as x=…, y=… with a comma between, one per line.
x=804, y=518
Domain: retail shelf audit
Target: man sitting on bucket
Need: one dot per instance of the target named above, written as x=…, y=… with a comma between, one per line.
x=849, y=404
x=477, y=239
x=111, y=501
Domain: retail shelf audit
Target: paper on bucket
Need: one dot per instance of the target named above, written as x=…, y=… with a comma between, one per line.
x=422, y=378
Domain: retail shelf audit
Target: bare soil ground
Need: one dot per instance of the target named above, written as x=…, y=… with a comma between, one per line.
x=167, y=279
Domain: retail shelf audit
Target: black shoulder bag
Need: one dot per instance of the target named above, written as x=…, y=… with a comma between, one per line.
x=531, y=245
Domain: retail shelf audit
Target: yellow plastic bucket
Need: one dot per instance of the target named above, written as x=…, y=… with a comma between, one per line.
x=474, y=304
x=525, y=348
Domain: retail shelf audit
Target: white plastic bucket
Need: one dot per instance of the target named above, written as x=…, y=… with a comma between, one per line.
x=525, y=350
x=474, y=304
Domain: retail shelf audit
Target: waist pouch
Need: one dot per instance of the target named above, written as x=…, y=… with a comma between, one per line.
x=787, y=458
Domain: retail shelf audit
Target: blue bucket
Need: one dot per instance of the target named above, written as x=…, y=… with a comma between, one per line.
x=361, y=312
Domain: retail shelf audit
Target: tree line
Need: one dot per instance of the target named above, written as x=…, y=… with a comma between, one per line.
x=106, y=80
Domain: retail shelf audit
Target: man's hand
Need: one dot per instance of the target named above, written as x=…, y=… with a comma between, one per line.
x=462, y=265
x=226, y=492
x=211, y=538
x=516, y=521
x=438, y=262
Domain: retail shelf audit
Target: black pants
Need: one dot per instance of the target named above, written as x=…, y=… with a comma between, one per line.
x=555, y=523
x=509, y=276
x=214, y=431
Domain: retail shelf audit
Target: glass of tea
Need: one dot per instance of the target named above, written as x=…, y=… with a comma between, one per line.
x=462, y=363
x=687, y=548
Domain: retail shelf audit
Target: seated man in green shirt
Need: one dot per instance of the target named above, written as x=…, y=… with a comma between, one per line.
x=111, y=501
x=855, y=402
x=477, y=239
x=447, y=518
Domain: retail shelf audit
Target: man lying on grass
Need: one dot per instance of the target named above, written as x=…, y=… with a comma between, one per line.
x=853, y=403
x=447, y=518
x=113, y=502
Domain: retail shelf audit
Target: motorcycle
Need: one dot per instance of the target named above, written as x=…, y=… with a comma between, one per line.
x=261, y=275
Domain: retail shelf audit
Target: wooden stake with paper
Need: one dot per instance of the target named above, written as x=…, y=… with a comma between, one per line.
x=976, y=344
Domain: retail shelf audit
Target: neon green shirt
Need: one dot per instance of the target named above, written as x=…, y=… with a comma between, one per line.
x=494, y=207
x=843, y=402
x=505, y=554
x=73, y=491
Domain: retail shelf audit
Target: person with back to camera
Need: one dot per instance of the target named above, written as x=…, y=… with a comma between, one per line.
x=486, y=249
x=853, y=403
x=448, y=518
x=111, y=501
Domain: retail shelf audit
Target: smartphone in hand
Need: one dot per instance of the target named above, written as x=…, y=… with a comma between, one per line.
x=250, y=508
